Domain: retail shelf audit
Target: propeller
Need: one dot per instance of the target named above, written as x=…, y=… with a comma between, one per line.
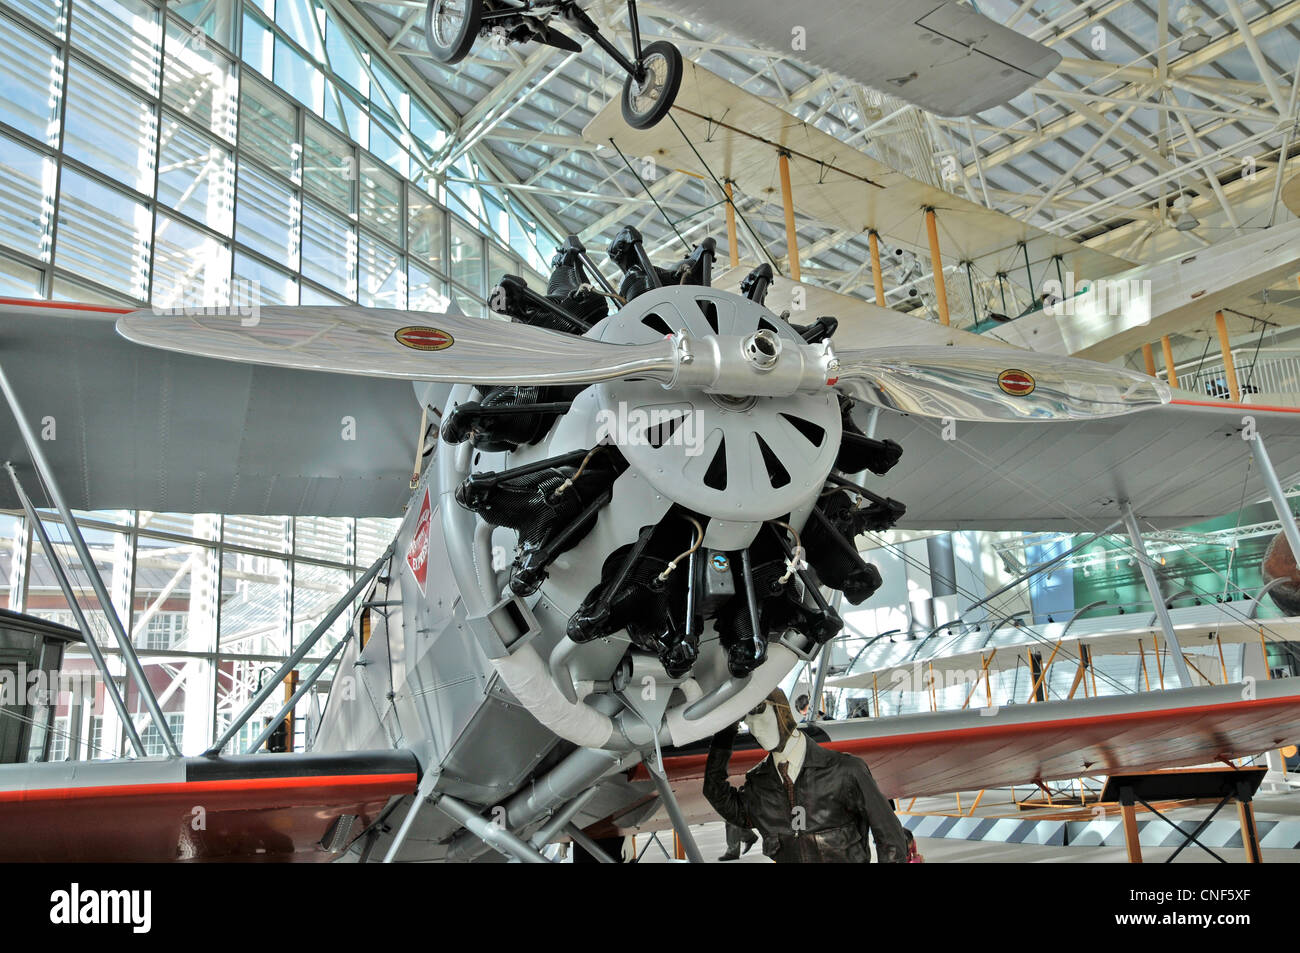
x=976, y=384
x=402, y=345
x=967, y=383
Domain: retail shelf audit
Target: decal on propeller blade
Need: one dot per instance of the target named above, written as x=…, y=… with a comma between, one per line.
x=417, y=555
x=424, y=339
x=1016, y=382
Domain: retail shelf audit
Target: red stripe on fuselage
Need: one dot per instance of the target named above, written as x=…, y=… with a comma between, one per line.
x=350, y=781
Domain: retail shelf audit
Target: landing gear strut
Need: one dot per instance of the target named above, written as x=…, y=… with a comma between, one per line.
x=654, y=71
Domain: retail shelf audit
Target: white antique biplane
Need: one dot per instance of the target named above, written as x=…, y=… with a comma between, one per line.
x=678, y=482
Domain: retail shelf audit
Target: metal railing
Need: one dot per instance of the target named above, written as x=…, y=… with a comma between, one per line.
x=1267, y=371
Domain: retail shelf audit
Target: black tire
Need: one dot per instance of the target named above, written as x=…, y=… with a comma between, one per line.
x=663, y=64
x=450, y=43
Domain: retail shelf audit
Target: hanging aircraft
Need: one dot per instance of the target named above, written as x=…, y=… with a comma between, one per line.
x=633, y=526
x=938, y=54
x=1104, y=306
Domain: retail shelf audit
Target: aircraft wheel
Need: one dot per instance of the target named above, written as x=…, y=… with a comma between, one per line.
x=647, y=102
x=450, y=27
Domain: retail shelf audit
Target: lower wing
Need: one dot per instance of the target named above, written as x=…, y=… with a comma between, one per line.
x=298, y=807
x=939, y=753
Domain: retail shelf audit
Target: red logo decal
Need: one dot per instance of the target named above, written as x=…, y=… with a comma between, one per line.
x=424, y=339
x=1017, y=383
x=417, y=556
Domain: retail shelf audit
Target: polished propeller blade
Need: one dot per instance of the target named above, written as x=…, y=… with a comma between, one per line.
x=994, y=384
x=406, y=345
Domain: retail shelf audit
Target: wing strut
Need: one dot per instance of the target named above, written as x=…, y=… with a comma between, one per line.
x=110, y=686
x=92, y=572
x=1157, y=600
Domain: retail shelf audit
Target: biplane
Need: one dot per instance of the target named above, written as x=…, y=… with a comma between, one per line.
x=572, y=689
x=678, y=481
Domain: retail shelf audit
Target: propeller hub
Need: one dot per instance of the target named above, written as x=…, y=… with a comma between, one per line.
x=762, y=349
x=729, y=438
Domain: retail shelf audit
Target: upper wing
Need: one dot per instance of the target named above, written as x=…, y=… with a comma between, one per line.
x=134, y=427
x=941, y=56
x=300, y=807
x=1177, y=464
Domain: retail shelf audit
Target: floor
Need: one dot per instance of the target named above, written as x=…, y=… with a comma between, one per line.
x=711, y=839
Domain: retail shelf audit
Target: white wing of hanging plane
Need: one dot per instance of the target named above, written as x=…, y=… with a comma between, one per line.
x=729, y=133
x=940, y=55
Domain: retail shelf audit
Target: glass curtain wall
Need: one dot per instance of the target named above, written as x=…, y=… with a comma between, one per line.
x=212, y=604
x=204, y=151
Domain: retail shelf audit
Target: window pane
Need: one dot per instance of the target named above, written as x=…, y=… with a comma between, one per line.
x=26, y=199
x=258, y=532
x=18, y=281
x=175, y=596
x=64, y=289
x=300, y=79
x=316, y=589
x=373, y=536
x=329, y=167
x=500, y=263
x=121, y=35
x=315, y=297
x=426, y=231
x=385, y=143
x=426, y=129
x=267, y=215
x=427, y=292
x=103, y=235
x=381, y=201
x=302, y=21
x=50, y=14
x=467, y=257
x=343, y=112
x=255, y=595
x=216, y=19
x=257, y=283
x=381, y=281
x=13, y=551
x=343, y=59
x=389, y=97
x=469, y=304
x=110, y=128
x=268, y=130
x=31, y=81
x=329, y=249
x=257, y=46
x=195, y=525
x=323, y=538
x=197, y=176
x=190, y=268
x=199, y=82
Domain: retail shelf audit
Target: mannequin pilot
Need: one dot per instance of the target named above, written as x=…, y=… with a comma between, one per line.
x=811, y=805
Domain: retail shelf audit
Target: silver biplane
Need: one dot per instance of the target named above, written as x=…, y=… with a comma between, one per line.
x=634, y=522
x=654, y=588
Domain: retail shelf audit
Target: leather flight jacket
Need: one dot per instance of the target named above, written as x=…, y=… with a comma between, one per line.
x=825, y=819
